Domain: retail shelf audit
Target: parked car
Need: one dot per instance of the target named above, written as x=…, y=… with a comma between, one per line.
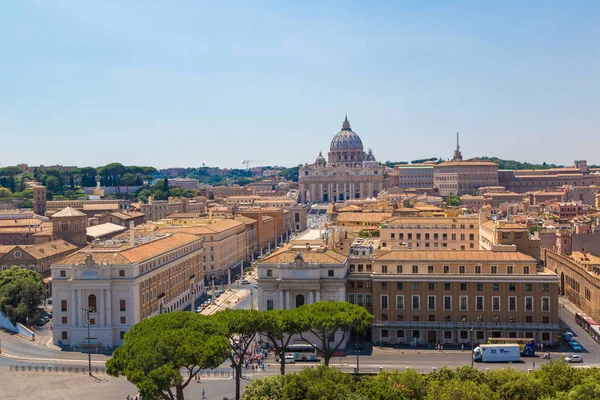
x=45, y=318
x=574, y=344
x=575, y=358
x=41, y=322
x=217, y=294
x=245, y=282
x=50, y=315
x=289, y=359
x=198, y=309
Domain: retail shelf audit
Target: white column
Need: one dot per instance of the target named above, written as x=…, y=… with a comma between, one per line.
x=101, y=312
x=341, y=294
x=108, y=308
x=310, y=297
x=281, y=305
x=79, y=306
x=318, y=295
x=73, y=308
x=228, y=278
x=288, y=302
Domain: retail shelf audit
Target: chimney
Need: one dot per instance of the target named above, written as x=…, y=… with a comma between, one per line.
x=131, y=234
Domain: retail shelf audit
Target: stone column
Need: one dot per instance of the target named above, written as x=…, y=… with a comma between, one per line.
x=108, y=308
x=318, y=295
x=79, y=306
x=288, y=301
x=228, y=279
x=281, y=304
x=101, y=312
x=73, y=308
x=310, y=297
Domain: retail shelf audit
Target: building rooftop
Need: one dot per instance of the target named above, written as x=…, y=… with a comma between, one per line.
x=69, y=212
x=121, y=252
x=363, y=216
x=454, y=255
x=466, y=164
x=288, y=254
x=98, y=231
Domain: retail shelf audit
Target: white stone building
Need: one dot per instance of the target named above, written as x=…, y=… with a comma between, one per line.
x=122, y=282
x=303, y=272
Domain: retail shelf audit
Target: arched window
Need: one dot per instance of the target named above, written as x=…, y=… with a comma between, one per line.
x=299, y=300
x=92, y=302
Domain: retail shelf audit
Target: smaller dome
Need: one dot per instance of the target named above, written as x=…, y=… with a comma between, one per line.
x=320, y=159
x=370, y=156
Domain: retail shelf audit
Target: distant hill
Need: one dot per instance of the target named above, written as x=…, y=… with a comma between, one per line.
x=517, y=165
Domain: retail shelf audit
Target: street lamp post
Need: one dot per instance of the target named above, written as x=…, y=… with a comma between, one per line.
x=471, y=346
x=357, y=350
x=87, y=317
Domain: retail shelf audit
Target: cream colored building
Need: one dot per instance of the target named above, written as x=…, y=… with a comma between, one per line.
x=459, y=177
x=436, y=233
x=225, y=242
x=122, y=282
x=493, y=233
x=420, y=297
x=349, y=172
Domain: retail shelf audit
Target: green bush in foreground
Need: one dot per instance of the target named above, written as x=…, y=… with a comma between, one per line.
x=553, y=381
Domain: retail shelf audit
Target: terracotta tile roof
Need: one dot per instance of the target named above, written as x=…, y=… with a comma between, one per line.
x=4, y=249
x=454, y=255
x=25, y=222
x=127, y=215
x=110, y=206
x=288, y=254
x=128, y=255
x=48, y=249
x=69, y=212
x=245, y=220
x=363, y=216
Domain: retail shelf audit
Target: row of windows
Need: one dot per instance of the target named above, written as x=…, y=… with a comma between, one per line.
x=463, y=303
x=462, y=269
x=464, y=335
x=463, y=318
x=64, y=304
x=512, y=287
x=436, y=236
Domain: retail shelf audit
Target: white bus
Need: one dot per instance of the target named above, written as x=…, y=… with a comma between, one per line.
x=301, y=352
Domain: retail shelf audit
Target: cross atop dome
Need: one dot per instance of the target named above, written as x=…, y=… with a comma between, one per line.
x=346, y=124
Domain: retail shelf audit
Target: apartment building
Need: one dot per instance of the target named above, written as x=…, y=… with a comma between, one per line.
x=415, y=176
x=435, y=233
x=122, y=282
x=420, y=297
x=494, y=233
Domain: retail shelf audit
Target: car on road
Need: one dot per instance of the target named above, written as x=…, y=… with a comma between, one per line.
x=289, y=359
x=199, y=309
x=41, y=322
x=217, y=294
x=50, y=315
x=574, y=344
x=575, y=358
x=255, y=286
x=245, y=282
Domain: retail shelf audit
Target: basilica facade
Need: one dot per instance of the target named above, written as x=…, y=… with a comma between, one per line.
x=347, y=173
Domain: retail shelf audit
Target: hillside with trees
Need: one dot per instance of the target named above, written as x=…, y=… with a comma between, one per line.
x=518, y=165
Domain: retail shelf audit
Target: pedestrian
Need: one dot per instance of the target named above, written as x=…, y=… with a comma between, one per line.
x=203, y=393
x=462, y=347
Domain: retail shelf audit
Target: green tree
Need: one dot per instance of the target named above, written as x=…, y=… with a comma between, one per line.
x=52, y=183
x=5, y=193
x=453, y=201
x=21, y=292
x=455, y=389
x=556, y=376
x=326, y=318
x=165, y=185
x=320, y=383
x=392, y=385
x=279, y=327
x=241, y=326
x=158, y=348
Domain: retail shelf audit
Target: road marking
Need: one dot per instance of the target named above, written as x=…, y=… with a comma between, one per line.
x=50, y=360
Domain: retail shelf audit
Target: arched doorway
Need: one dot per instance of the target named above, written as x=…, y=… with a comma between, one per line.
x=92, y=302
x=325, y=198
x=299, y=300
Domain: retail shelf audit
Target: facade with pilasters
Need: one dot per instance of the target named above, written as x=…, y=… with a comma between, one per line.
x=301, y=274
x=121, y=283
x=349, y=172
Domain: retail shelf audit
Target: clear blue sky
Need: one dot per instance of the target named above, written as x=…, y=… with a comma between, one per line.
x=181, y=83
